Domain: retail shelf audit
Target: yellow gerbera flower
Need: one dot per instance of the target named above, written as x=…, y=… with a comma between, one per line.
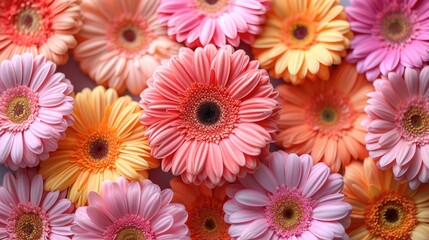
x=106, y=141
x=302, y=38
x=384, y=208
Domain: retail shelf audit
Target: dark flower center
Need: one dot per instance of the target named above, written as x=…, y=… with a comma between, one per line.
x=300, y=32
x=391, y=215
x=19, y=109
x=288, y=213
x=29, y=226
x=210, y=224
x=129, y=35
x=396, y=27
x=130, y=233
x=208, y=113
x=211, y=2
x=98, y=149
x=328, y=115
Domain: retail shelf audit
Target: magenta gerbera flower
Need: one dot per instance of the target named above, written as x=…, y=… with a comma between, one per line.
x=35, y=110
x=220, y=22
x=28, y=212
x=389, y=35
x=398, y=124
x=131, y=211
x=288, y=199
x=209, y=113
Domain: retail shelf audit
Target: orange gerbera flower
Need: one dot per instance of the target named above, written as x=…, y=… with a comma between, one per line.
x=323, y=118
x=205, y=209
x=384, y=208
x=302, y=38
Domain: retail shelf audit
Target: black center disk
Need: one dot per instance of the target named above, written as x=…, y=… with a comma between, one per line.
x=391, y=215
x=209, y=224
x=208, y=113
x=129, y=35
x=300, y=32
x=98, y=149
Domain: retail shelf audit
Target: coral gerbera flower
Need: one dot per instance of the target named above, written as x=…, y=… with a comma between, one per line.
x=205, y=209
x=121, y=43
x=209, y=114
x=390, y=35
x=324, y=118
x=35, y=110
x=302, y=38
x=131, y=211
x=39, y=27
x=398, y=124
x=200, y=22
x=28, y=212
x=384, y=208
x=288, y=199
x=106, y=141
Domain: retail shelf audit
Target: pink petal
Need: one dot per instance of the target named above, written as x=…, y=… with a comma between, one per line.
x=251, y=198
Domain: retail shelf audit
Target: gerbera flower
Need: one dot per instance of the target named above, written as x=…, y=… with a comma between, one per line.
x=384, y=208
x=35, y=110
x=121, y=43
x=205, y=209
x=39, y=27
x=200, y=22
x=209, y=114
x=303, y=38
x=106, y=141
x=398, y=124
x=28, y=212
x=390, y=35
x=288, y=199
x=324, y=118
x=131, y=211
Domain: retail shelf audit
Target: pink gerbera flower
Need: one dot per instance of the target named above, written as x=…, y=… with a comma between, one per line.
x=121, y=43
x=40, y=27
x=131, y=211
x=390, y=35
x=288, y=199
x=398, y=124
x=35, y=110
x=209, y=114
x=28, y=212
x=200, y=22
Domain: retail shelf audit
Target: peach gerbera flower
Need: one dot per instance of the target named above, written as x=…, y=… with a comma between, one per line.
x=121, y=43
x=40, y=27
x=106, y=141
x=303, y=38
x=323, y=118
x=205, y=209
x=384, y=208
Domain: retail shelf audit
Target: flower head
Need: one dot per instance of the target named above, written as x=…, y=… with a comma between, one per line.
x=390, y=35
x=39, y=27
x=288, y=199
x=220, y=22
x=209, y=114
x=121, y=44
x=324, y=118
x=28, y=212
x=205, y=209
x=384, y=208
x=35, y=110
x=106, y=141
x=133, y=210
x=302, y=38
x=398, y=124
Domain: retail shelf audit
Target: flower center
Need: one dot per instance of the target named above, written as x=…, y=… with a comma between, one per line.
x=396, y=27
x=96, y=150
x=206, y=220
x=28, y=20
x=129, y=227
x=129, y=35
x=29, y=226
x=130, y=233
x=19, y=109
x=391, y=216
x=300, y=32
x=208, y=111
x=329, y=114
x=212, y=7
x=288, y=213
x=416, y=121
